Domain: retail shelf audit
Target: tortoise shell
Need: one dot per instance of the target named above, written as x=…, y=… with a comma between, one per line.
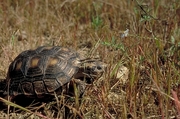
x=42, y=71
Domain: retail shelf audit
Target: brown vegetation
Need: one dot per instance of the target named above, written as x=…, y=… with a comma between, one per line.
x=150, y=51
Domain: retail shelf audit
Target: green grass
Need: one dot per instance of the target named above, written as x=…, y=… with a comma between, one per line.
x=150, y=51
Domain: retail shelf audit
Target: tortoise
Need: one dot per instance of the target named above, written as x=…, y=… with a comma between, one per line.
x=45, y=70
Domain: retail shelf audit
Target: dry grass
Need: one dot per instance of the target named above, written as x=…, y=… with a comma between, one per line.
x=150, y=52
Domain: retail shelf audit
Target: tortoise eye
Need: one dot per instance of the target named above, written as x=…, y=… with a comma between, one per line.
x=99, y=67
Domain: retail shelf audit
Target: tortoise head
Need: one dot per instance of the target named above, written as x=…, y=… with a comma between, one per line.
x=90, y=70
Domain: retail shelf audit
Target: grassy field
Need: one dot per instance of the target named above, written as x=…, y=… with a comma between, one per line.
x=150, y=51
